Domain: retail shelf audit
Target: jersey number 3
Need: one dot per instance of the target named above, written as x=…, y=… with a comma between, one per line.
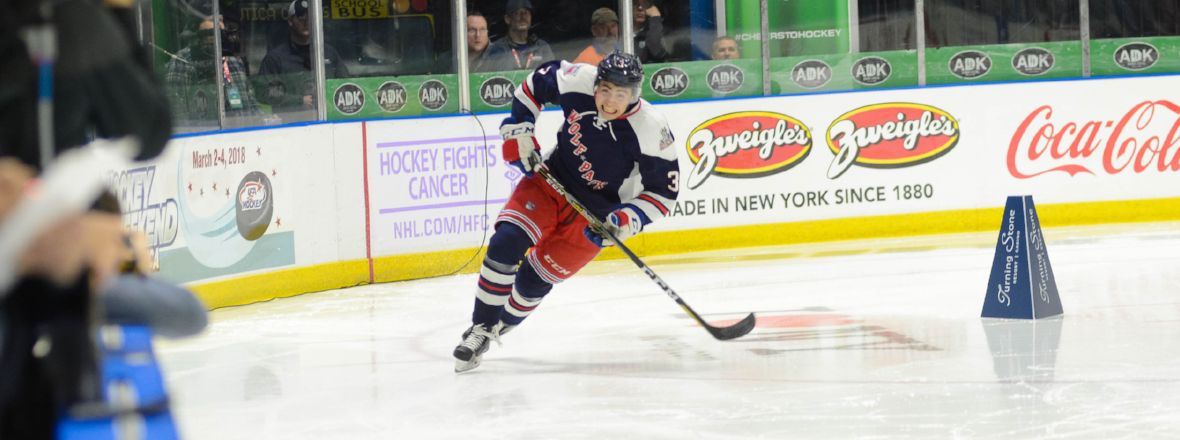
x=674, y=176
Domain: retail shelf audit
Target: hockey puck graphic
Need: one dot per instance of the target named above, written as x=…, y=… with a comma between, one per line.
x=255, y=205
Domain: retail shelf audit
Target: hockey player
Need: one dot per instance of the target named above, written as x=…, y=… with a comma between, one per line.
x=613, y=155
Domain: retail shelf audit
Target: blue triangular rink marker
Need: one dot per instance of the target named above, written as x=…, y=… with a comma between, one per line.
x=1021, y=284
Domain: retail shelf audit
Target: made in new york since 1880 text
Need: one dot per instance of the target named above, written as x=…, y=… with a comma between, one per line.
x=803, y=199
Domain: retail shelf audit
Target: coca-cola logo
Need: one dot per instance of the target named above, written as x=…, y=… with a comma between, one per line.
x=1136, y=56
x=746, y=144
x=1143, y=139
x=891, y=135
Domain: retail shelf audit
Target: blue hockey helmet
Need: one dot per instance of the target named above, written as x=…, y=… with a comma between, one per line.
x=622, y=69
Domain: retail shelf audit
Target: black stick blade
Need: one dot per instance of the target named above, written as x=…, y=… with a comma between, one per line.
x=734, y=331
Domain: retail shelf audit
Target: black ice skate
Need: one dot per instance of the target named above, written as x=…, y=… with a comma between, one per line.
x=476, y=341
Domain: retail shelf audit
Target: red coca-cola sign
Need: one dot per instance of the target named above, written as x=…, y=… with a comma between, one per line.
x=890, y=135
x=1143, y=139
x=746, y=144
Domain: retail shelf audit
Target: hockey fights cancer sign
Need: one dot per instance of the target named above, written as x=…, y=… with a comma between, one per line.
x=1143, y=139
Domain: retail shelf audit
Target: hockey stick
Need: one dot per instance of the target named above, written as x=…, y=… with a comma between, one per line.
x=721, y=333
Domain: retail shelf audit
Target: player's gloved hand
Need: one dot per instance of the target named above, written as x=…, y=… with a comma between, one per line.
x=624, y=223
x=520, y=146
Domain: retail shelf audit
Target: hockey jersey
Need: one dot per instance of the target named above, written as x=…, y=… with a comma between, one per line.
x=604, y=164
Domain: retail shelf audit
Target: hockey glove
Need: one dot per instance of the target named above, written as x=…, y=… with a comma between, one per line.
x=624, y=223
x=520, y=146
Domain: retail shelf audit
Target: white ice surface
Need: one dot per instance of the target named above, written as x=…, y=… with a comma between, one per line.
x=883, y=343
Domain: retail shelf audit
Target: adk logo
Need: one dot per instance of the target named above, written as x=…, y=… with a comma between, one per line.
x=255, y=205
x=391, y=96
x=1033, y=61
x=970, y=64
x=811, y=74
x=1136, y=56
x=349, y=98
x=497, y=91
x=669, y=82
x=725, y=78
x=871, y=71
x=432, y=94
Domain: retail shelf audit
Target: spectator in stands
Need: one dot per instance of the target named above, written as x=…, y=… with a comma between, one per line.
x=286, y=68
x=477, y=41
x=519, y=49
x=725, y=48
x=604, y=24
x=649, y=33
x=189, y=77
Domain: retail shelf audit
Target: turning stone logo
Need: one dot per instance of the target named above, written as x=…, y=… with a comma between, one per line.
x=1136, y=56
x=970, y=64
x=1033, y=61
x=890, y=135
x=497, y=91
x=725, y=78
x=811, y=74
x=871, y=70
x=746, y=144
x=432, y=94
x=255, y=205
x=349, y=98
x=391, y=96
x=669, y=82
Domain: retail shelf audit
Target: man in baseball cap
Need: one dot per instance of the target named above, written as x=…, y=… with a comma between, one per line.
x=519, y=49
x=604, y=24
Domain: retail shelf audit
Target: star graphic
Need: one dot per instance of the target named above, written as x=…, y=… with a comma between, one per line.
x=259, y=151
x=215, y=186
x=279, y=221
x=273, y=173
x=190, y=187
x=202, y=191
x=227, y=192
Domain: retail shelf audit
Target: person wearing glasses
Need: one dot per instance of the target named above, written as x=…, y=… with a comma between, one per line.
x=477, y=41
x=520, y=49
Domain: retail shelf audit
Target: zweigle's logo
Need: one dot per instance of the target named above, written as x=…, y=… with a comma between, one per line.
x=1143, y=139
x=746, y=144
x=497, y=91
x=669, y=82
x=1033, y=61
x=1136, y=56
x=432, y=94
x=970, y=64
x=349, y=98
x=892, y=135
x=255, y=205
